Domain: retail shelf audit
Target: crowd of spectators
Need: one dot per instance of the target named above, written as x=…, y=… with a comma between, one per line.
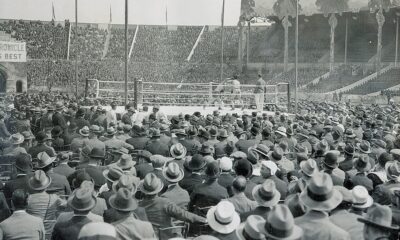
x=383, y=81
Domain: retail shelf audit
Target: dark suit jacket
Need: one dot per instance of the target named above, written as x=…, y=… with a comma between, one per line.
x=139, y=142
x=34, y=151
x=177, y=195
x=260, y=211
x=64, y=170
x=95, y=172
x=209, y=193
x=190, y=182
x=69, y=230
x=59, y=120
x=243, y=145
x=157, y=147
x=143, y=169
x=59, y=184
x=20, y=182
x=110, y=215
x=226, y=180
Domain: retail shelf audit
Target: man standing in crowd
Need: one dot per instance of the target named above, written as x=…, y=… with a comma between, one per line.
x=259, y=93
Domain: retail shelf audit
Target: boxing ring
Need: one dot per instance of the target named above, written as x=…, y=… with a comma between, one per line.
x=189, y=95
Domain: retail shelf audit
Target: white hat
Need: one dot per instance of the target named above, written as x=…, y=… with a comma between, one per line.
x=223, y=218
x=271, y=165
x=361, y=197
x=225, y=164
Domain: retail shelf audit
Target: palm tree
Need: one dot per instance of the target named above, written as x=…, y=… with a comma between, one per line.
x=285, y=9
x=331, y=8
x=246, y=12
x=379, y=6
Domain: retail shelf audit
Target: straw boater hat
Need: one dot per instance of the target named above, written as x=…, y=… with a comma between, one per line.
x=39, y=181
x=361, y=197
x=84, y=131
x=379, y=216
x=319, y=194
x=266, y=194
x=280, y=224
x=151, y=184
x=249, y=230
x=281, y=131
x=223, y=218
x=178, y=151
x=172, y=172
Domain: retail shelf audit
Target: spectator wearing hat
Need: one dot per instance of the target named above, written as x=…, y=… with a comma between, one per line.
x=347, y=163
x=343, y=218
x=210, y=192
x=213, y=131
x=225, y=178
x=80, y=120
x=268, y=170
x=223, y=147
x=196, y=167
x=192, y=140
x=82, y=141
x=101, y=118
x=173, y=174
x=28, y=137
x=250, y=229
x=302, y=138
x=378, y=223
x=280, y=224
x=123, y=132
x=94, y=142
x=361, y=200
x=111, y=175
x=58, y=141
x=154, y=145
x=223, y=220
x=160, y=211
x=267, y=196
x=320, y=197
x=242, y=167
x=128, y=117
x=357, y=129
x=59, y=183
x=139, y=138
x=58, y=118
x=144, y=165
x=114, y=142
x=95, y=157
x=239, y=200
x=63, y=168
x=126, y=224
x=245, y=142
x=378, y=147
x=97, y=231
x=81, y=201
x=158, y=162
x=15, y=149
x=23, y=166
x=278, y=156
x=178, y=152
x=160, y=116
x=307, y=169
x=40, y=203
x=71, y=133
x=4, y=133
x=362, y=167
x=382, y=191
x=378, y=173
x=266, y=137
x=21, y=225
x=330, y=166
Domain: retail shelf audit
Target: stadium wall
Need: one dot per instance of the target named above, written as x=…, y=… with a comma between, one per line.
x=16, y=77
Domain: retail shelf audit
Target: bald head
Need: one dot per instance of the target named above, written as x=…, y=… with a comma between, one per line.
x=239, y=184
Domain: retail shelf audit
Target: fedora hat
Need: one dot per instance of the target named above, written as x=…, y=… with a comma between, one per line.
x=82, y=199
x=223, y=218
x=281, y=131
x=266, y=194
x=126, y=181
x=59, y=106
x=280, y=224
x=379, y=216
x=277, y=154
x=331, y=159
x=23, y=163
x=158, y=161
x=154, y=132
x=309, y=167
x=111, y=131
x=113, y=174
x=349, y=133
x=392, y=170
x=303, y=133
x=243, y=168
x=323, y=146
x=250, y=230
x=197, y=162
x=262, y=150
x=84, y=131
x=225, y=164
x=364, y=147
x=180, y=132
x=223, y=133
x=97, y=153
x=39, y=181
x=151, y=184
x=44, y=160
x=16, y=139
x=95, y=129
x=126, y=162
x=238, y=155
x=349, y=149
x=123, y=200
x=319, y=194
x=178, y=151
x=172, y=172
x=362, y=163
x=379, y=143
x=56, y=131
x=121, y=151
x=361, y=197
x=27, y=135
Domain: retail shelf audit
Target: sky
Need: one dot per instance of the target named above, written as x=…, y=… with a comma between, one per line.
x=150, y=12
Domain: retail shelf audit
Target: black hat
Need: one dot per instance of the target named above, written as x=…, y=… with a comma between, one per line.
x=24, y=163
x=243, y=167
x=197, y=162
x=212, y=170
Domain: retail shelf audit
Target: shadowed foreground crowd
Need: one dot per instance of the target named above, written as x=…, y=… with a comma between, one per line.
x=332, y=172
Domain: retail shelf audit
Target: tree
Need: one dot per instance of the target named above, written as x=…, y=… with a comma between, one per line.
x=246, y=13
x=285, y=9
x=379, y=6
x=331, y=8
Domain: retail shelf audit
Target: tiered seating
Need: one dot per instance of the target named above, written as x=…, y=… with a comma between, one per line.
x=341, y=77
x=305, y=75
x=88, y=44
x=384, y=81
